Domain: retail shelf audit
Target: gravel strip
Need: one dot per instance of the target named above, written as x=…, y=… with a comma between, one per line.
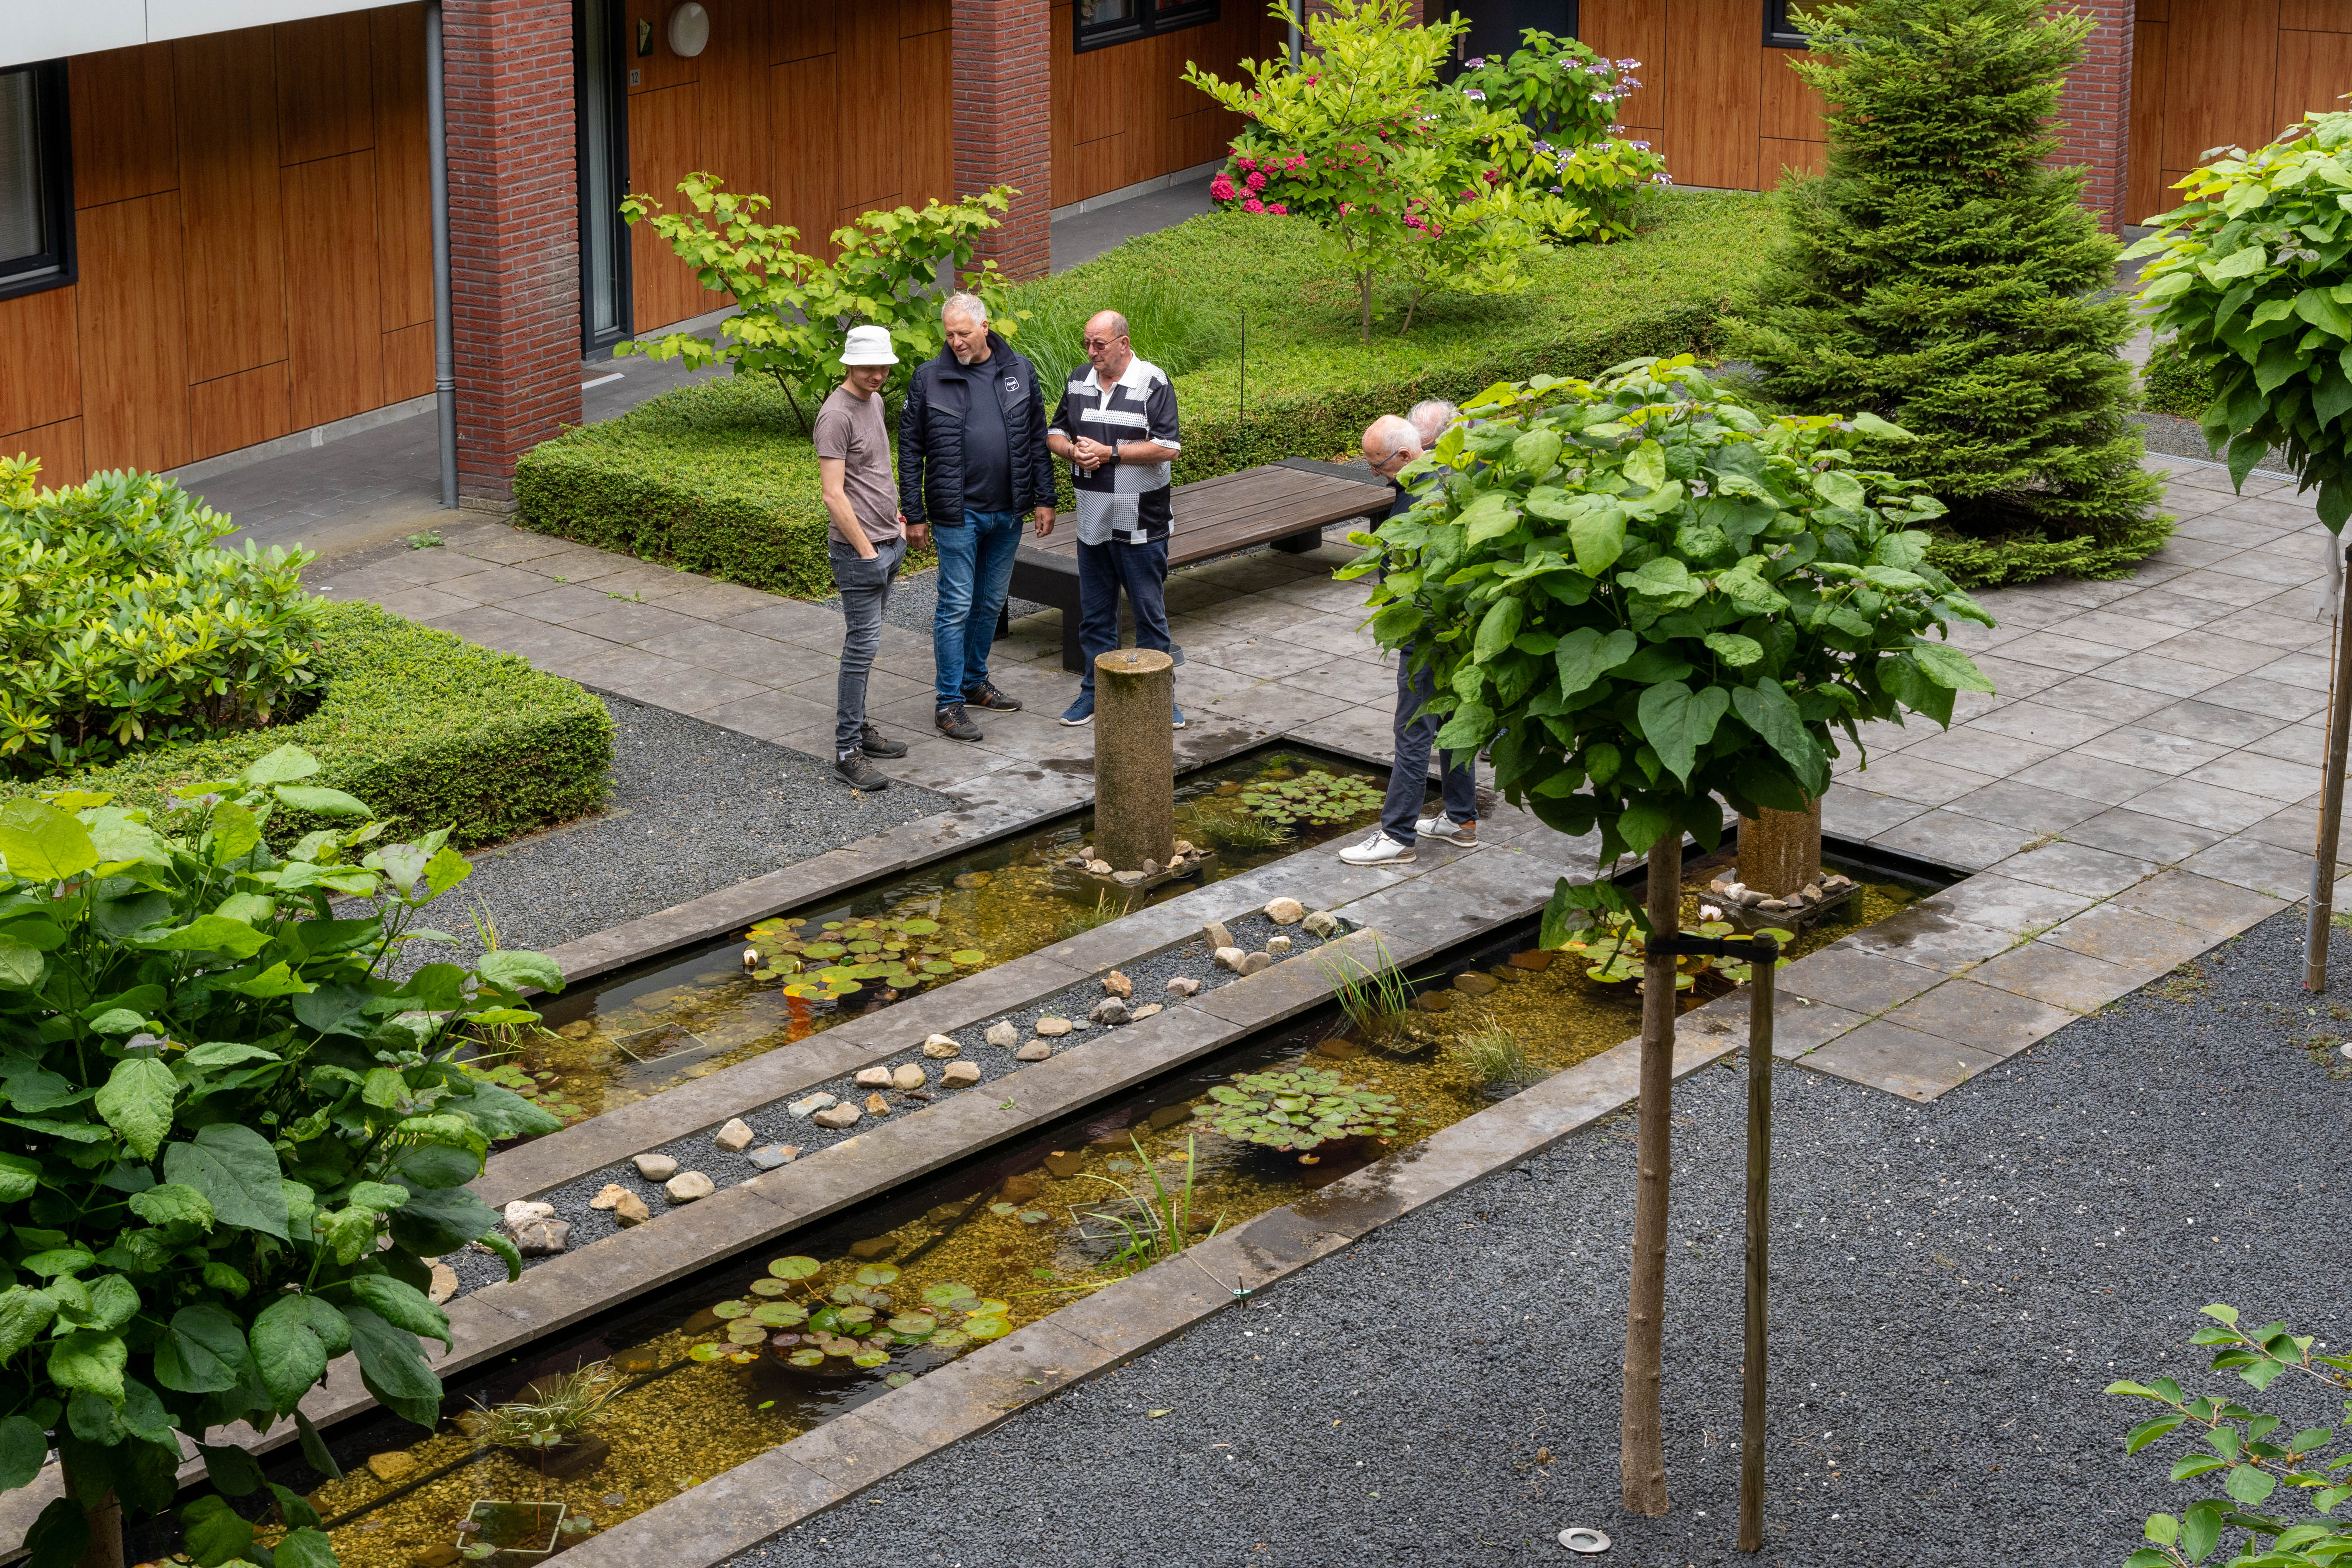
x=2169, y=435
x=692, y=808
x=774, y=1123
x=1954, y=1285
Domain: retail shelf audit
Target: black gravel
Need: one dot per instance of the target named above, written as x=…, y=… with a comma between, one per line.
x=774, y=1123
x=1954, y=1285
x=692, y=808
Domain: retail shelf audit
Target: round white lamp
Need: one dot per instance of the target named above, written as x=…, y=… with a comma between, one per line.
x=690, y=30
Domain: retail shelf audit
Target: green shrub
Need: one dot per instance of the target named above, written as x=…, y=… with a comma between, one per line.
x=431, y=729
x=2170, y=383
x=123, y=626
x=716, y=477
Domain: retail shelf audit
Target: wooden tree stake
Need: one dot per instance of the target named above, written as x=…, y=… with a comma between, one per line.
x=1642, y=1452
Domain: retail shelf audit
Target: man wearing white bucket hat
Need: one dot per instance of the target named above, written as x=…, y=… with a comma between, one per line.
x=866, y=542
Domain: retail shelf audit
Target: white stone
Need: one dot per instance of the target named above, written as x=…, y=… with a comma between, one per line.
x=874, y=1077
x=809, y=1107
x=1285, y=911
x=1257, y=962
x=1003, y=1035
x=522, y=1211
x=1034, y=1051
x=1184, y=985
x=1052, y=1029
x=1230, y=957
x=735, y=1137
x=613, y=1194
x=1217, y=936
x=1099, y=867
x=1127, y=878
x=910, y=1077
x=688, y=1186
x=959, y=1075
x=837, y=1116
x=938, y=1048
x=1278, y=945
x=1183, y=846
x=658, y=1167
x=1321, y=923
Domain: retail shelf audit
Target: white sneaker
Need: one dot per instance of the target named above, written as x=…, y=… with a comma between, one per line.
x=1379, y=849
x=1444, y=827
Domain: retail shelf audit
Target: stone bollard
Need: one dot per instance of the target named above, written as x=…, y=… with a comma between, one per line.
x=1135, y=757
x=1781, y=852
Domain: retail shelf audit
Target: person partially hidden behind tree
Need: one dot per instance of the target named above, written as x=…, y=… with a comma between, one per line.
x=867, y=540
x=1390, y=444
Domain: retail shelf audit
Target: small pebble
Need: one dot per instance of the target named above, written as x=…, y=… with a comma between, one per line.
x=1285, y=911
x=1034, y=1051
x=1052, y=1029
x=874, y=1077
x=1230, y=957
x=1279, y=946
x=1004, y=1035
x=735, y=1137
x=661, y=1167
x=774, y=1155
x=1255, y=964
x=1184, y=985
x=910, y=1077
x=959, y=1075
x=938, y=1048
x=835, y=1116
x=809, y=1107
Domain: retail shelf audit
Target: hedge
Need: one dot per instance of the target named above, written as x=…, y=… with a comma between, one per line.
x=717, y=477
x=2171, y=386
x=428, y=729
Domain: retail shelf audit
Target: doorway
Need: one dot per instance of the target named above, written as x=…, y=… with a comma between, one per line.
x=601, y=96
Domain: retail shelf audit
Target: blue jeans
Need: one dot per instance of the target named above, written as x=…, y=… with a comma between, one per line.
x=865, y=588
x=1416, y=732
x=975, y=568
x=1104, y=571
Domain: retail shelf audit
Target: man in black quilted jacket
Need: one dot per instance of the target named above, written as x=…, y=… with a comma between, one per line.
x=972, y=459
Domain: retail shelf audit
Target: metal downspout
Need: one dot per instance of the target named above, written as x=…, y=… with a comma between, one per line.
x=445, y=351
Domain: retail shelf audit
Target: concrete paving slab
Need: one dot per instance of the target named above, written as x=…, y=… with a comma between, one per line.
x=1886, y=1055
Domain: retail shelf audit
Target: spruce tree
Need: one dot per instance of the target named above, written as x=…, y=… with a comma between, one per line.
x=1942, y=274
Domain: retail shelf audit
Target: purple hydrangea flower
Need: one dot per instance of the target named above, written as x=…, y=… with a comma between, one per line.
x=1472, y=92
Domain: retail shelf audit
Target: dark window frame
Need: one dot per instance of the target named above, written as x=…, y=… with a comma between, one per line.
x=1150, y=22
x=618, y=58
x=1779, y=32
x=56, y=266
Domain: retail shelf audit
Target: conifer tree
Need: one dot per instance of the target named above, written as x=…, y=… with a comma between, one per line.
x=1943, y=275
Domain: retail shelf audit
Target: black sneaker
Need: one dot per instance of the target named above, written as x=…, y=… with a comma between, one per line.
x=955, y=726
x=874, y=743
x=986, y=697
x=859, y=773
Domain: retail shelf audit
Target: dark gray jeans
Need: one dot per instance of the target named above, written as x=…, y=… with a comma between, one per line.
x=865, y=588
x=1416, y=732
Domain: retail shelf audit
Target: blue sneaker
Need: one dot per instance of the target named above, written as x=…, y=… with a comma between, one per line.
x=1081, y=711
x=1180, y=718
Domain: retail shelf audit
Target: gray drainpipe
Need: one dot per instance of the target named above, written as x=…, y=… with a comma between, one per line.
x=1295, y=5
x=445, y=351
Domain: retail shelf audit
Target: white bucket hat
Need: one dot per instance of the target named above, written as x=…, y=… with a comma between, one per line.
x=868, y=345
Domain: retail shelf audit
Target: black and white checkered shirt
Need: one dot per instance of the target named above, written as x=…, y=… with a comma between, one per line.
x=1123, y=501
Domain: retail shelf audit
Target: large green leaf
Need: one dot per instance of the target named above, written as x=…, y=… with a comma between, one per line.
x=515, y=968
x=39, y=843
x=322, y=802
x=20, y=1177
x=402, y=1305
x=1676, y=722
x=1598, y=533
x=216, y=1533
x=1767, y=710
x=1950, y=668
x=136, y=1102
x=237, y=1171
x=441, y=1219
x=393, y=1369
x=25, y=1314
x=283, y=765
x=21, y=967
x=1496, y=630
x=203, y=1351
x=293, y=1340
x=91, y=1358
x=207, y=933
x=24, y=1448
x=1585, y=654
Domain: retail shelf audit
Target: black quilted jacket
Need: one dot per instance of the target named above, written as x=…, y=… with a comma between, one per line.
x=931, y=433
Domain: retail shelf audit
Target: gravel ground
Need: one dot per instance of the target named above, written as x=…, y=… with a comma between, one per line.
x=1953, y=1284
x=2169, y=435
x=774, y=1123
x=693, y=808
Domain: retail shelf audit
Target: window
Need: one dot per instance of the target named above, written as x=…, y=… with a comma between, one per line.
x=1779, y=32
x=35, y=183
x=603, y=162
x=1101, y=23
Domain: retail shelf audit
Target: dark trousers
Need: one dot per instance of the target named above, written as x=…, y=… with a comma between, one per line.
x=1105, y=571
x=1416, y=732
x=865, y=588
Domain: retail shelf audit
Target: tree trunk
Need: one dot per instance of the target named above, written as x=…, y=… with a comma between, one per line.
x=105, y=1549
x=1642, y=1454
x=1780, y=851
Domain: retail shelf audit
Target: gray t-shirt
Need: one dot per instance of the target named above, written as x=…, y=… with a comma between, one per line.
x=850, y=428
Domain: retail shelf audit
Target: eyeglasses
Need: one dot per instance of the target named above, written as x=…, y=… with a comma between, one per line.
x=1103, y=343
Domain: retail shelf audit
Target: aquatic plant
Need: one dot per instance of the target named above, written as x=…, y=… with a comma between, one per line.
x=840, y=958
x=1166, y=1215
x=1302, y=1109
x=1314, y=797
x=1493, y=1054
x=562, y=1409
x=1229, y=827
x=1374, y=997
x=855, y=1326
x=1077, y=923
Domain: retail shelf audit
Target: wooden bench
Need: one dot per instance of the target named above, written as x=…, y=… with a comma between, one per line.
x=1283, y=504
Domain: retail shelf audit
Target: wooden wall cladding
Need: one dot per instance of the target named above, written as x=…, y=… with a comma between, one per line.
x=1124, y=114
x=256, y=246
x=1720, y=104
x=2207, y=74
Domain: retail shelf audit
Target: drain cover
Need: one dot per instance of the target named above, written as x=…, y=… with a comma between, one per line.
x=1576, y=1538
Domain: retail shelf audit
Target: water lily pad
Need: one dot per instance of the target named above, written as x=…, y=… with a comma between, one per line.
x=899, y=1379
x=933, y=966
x=746, y=1333
x=845, y=988
x=706, y=1351
x=824, y=949
x=732, y=1309
x=870, y=1359
x=919, y=927
x=794, y=1267
x=780, y=1314
x=968, y=956
x=983, y=1329
x=867, y=946
x=858, y=1315
x=914, y=1323
x=877, y=1274
x=1000, y=1208
x=950, y=1340
x=947, y=1290
x=1120, y=1167
x=809, y=1357
x=1035, y=1217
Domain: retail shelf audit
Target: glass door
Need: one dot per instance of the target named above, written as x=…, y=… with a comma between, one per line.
x=602, y=98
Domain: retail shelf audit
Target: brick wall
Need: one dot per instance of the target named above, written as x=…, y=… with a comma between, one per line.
x=2094, y=110
x=1005, y=121
x=514, y=238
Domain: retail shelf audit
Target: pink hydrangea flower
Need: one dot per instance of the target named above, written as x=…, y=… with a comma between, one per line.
x=1253, y=206
x=1278, y=210
x=1256, y=182
x=1222, y=188
x=1294, y=163
x=1246, y=163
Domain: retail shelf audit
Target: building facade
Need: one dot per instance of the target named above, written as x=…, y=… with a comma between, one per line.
x=215, y=216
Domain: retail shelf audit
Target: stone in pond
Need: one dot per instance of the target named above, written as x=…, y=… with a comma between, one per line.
x=874, y=1246
x=688, y=1186
x=1005, y=1035
x=837, y=1116
x=1230, y=957
x=438, y=1555
x=735, y=1137
x=1150, y=867
x=874, y=1077
x=1217, y=936
x=1064, y=1163
x=774, y=1156
x=877, y=1106
x=542, y=1238
x=938, y=1048
x=1034, y=1051
x=522, y=1211
x=444, y=1285
x=1255, y=964
x=1118, y=985
x=1321, y=923
x=1477, y=985
x=658, y=1167
x=1141, y=1014
x=1435, y=1001
x=1020, y=1189
x=632, y=1210
x=959, y=1075
x=1278, y=945
x=909, y=1076
x=1182, y=847
x=974, y=880
x=390, y=1466
x=1285, y=911
x=1098, y=868
x=1127, y=878
x=1537, y=960
x=810, y=1106
x=1086, y=851
x=1184, y=985
x=1340, y=1050
x=613, y=1194
x=1109, y=1010
x=1168, y=1116
x=1054, y=1028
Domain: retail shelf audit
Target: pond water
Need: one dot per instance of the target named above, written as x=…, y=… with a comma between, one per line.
x=686, y=1016
x=704, y=1378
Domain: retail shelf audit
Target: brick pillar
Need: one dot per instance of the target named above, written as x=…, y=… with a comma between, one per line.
x=2095, y=112
x=514, y=238
x=1004, y=122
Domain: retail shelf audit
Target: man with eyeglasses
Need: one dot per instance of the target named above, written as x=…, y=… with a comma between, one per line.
x=1391, y=445
x=1117, y=426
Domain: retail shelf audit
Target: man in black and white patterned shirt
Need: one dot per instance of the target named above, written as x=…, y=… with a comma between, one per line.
x=1117, y=426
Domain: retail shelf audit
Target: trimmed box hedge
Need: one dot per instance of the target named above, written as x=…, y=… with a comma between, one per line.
x=717, y=477
x=428, y=729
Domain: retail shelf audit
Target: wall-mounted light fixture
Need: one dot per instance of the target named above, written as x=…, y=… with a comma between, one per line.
x=690, y=30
